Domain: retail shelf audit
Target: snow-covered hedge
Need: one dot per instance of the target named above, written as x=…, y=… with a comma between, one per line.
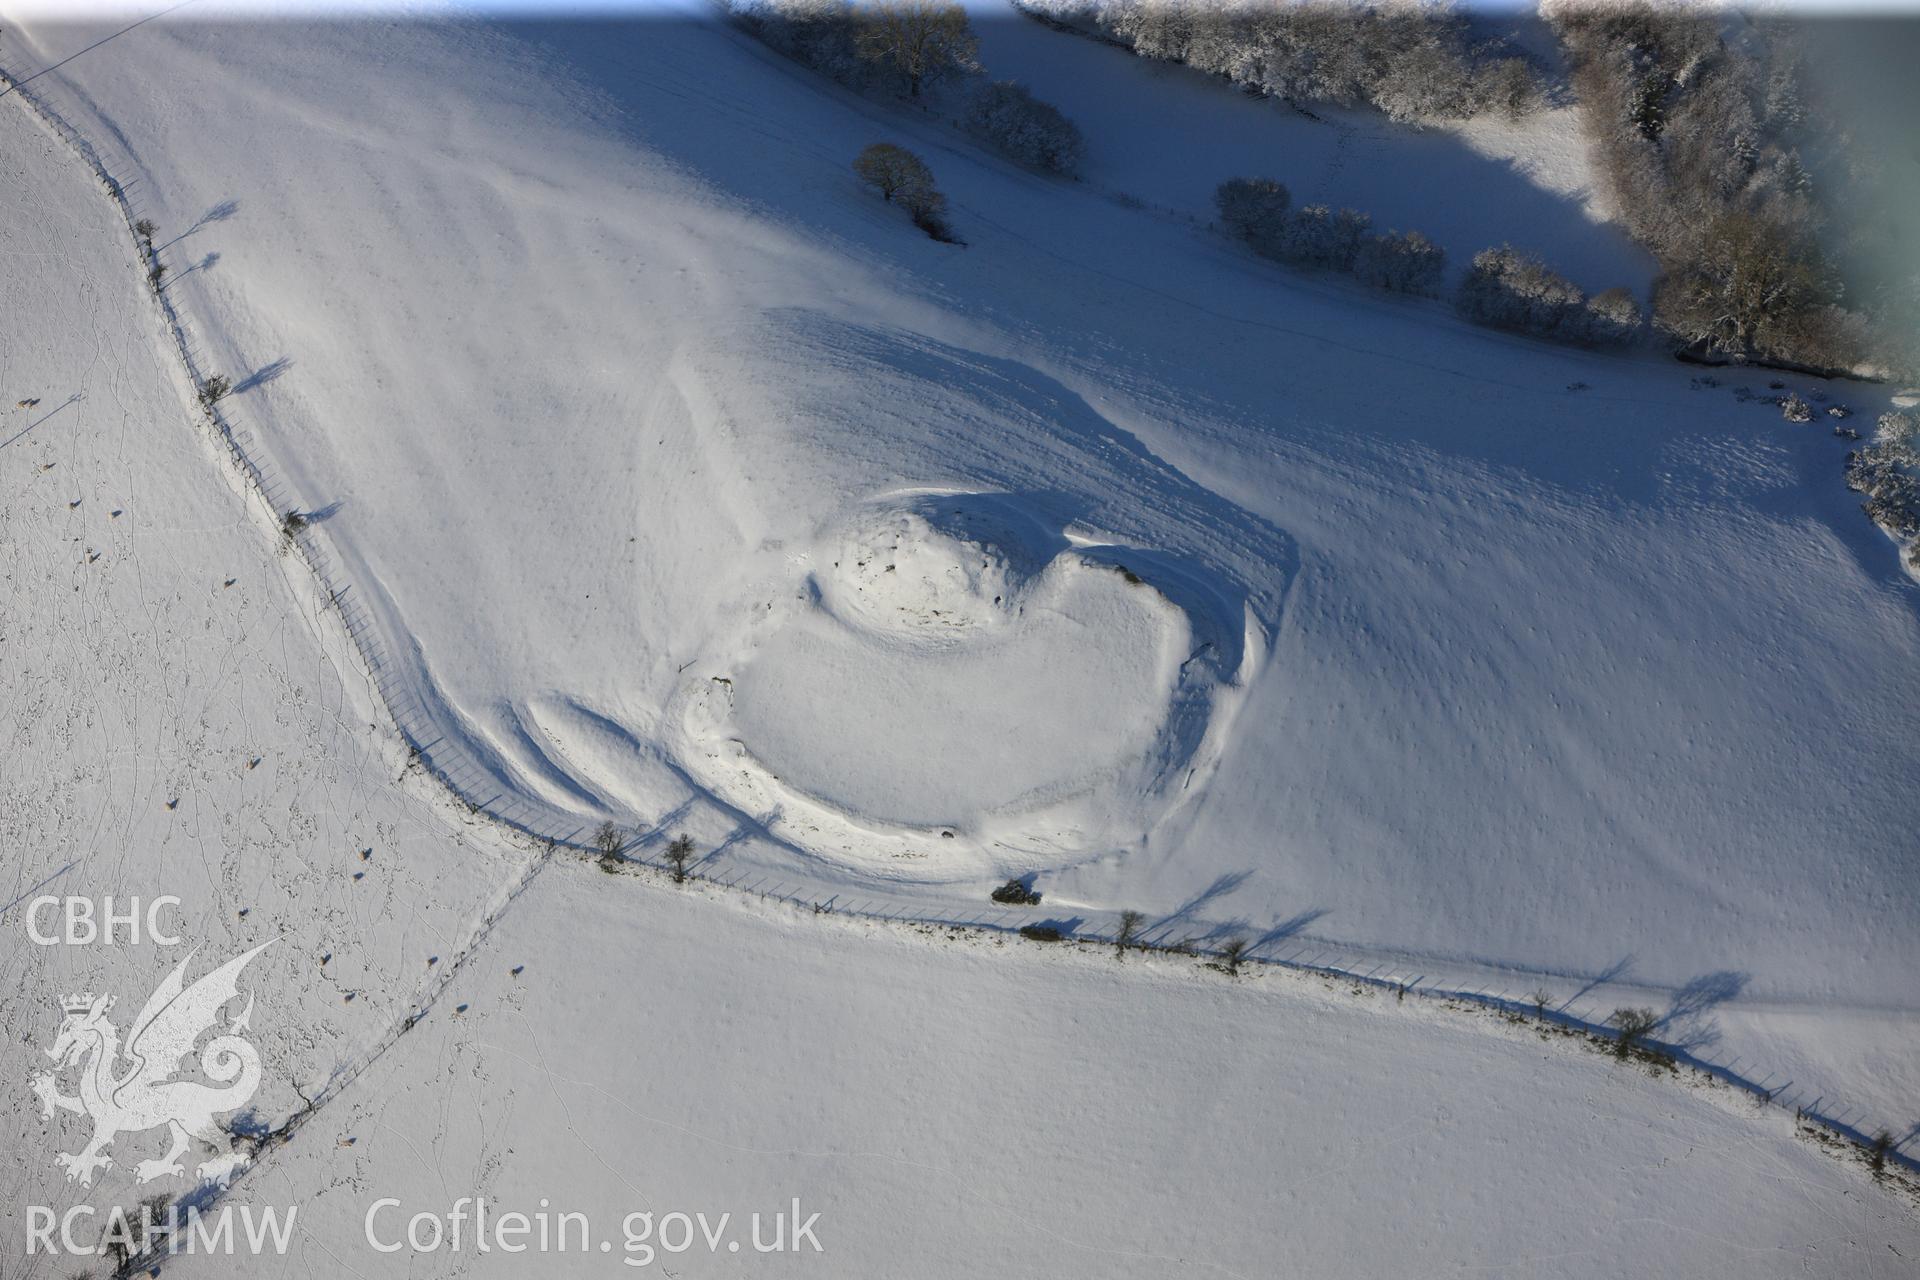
x=1508, y=289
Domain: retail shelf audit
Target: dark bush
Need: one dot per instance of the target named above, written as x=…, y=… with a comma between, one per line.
x=1255, y=210
x=1015, y=893
x=1024, y=128
x=1322, y=238
x=1512, y=290
x=1613, y=319
x=1403, y=262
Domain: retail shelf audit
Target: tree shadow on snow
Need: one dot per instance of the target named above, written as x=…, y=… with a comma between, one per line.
x=263, y=375
x=1687, y=1024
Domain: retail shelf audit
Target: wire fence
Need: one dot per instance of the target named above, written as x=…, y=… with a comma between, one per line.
x=435, y=744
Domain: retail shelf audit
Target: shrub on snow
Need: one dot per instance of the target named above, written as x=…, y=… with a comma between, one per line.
x=1613, y=318
x=1254, y=209
x=893, y=171
x=1405, y=262
x=1323, y=238
x=1508, y=289
x=898, y=174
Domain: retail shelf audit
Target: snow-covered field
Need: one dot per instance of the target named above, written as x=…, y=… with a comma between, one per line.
x=678, y=481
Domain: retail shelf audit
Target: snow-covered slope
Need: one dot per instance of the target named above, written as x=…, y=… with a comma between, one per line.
x=181, y=716
x=1498, y=660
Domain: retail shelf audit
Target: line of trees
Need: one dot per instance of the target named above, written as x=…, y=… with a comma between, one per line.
x=1259, y=212
x=1413, y=62
x=926, y=51
x=1697, y=141
x=1504, y=287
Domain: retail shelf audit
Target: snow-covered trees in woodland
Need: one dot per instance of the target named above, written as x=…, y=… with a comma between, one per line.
x=1412, y=62
x=1008, y=116
x=1698, y=138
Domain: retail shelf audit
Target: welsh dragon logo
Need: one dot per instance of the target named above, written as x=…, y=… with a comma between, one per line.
x=137, y=1090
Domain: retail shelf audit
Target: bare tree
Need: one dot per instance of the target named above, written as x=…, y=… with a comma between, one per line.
x=1753, y=279
x=1233, y=951
x=1128, y=933
x=1633, y=1025
x=922, y=40
x=609, y=840
x=679, y=854
x=893, y=171
x=214, y=389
